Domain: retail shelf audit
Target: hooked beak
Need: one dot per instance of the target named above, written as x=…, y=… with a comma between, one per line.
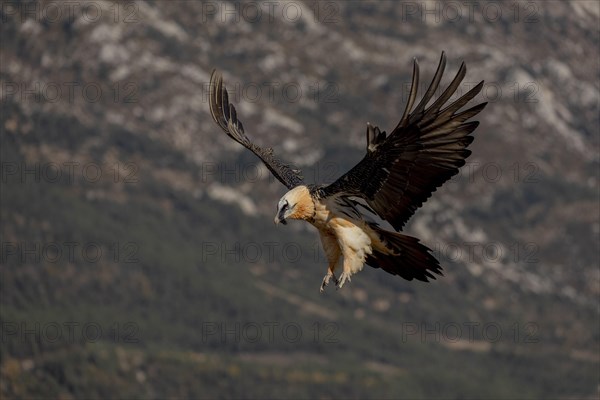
x=280, y=218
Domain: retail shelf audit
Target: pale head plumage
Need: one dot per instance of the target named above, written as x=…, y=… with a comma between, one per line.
x=295, y=204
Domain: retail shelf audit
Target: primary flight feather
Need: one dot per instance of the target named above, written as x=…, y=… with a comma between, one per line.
x=398, y=173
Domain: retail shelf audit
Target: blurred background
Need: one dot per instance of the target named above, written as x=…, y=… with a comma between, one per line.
x=139, y=257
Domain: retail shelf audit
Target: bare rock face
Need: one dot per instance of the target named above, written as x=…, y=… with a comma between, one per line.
x=113, y=97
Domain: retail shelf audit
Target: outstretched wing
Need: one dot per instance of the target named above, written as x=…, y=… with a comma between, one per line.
x=225, y=116
x=427, y=147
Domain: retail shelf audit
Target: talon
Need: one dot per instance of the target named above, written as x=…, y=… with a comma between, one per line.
x=335, y=279
x=343, y=278
x=326, y=281
x=323, y=286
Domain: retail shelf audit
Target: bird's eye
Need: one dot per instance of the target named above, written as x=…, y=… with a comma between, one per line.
x=284, y=206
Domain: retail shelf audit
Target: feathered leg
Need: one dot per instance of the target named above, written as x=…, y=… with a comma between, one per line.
x=333, y=253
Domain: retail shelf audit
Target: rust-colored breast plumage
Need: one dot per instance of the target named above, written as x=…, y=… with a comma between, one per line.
x=304, y=207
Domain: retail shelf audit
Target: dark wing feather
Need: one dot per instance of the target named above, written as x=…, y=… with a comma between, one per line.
x=224, y=114
x=427, y=147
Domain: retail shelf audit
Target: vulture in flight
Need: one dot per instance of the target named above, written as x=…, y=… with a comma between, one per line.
x=398, y=173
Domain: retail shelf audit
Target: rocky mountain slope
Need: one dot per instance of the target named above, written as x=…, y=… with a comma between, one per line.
x=108, y=146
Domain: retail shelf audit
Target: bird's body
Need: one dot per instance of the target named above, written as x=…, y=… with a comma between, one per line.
x=396, y=176
x=341, y=235
x=347, y=235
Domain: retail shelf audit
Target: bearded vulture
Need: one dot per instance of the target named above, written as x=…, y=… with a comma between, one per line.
x=398, y=173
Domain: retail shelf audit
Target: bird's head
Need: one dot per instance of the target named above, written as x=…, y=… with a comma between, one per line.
x=295, y=204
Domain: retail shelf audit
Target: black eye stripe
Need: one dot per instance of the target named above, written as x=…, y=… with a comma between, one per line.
x=286, y=206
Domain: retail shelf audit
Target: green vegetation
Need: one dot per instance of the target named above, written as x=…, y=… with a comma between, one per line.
x=172, y=309
x=123, y=274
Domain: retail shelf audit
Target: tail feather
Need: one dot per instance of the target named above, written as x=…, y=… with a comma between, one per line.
x=404, y=256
